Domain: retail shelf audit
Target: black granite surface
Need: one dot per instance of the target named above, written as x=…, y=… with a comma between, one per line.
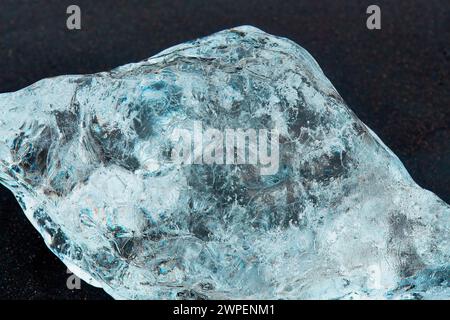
x=395, y=79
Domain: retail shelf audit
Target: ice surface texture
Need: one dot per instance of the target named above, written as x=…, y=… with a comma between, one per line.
x=87, y=157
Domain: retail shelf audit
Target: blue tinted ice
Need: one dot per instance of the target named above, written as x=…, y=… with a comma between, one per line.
x=89, y=159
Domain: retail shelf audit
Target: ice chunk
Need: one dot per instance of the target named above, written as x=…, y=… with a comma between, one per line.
x=90, y=160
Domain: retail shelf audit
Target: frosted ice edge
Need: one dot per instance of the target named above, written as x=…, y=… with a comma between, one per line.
x=85, y=157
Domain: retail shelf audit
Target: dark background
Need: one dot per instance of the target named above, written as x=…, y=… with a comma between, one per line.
x=395, y=79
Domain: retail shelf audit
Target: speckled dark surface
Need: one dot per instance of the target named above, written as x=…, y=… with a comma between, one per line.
x=395, y=79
